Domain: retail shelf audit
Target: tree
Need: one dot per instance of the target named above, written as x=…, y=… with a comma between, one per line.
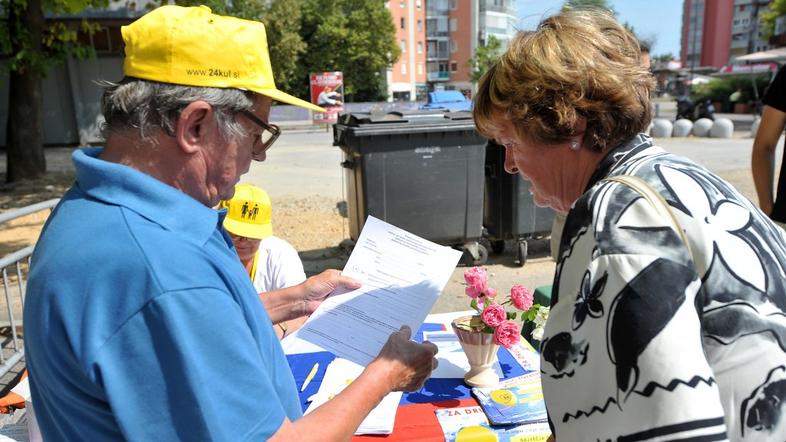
x=33, y=46
x=356, y=37
x=484, y=58
x=579, y=4
x=282, y=24
x=663, y=58
x=777, y=8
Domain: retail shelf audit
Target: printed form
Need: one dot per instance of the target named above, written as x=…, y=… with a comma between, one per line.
x=402, y=276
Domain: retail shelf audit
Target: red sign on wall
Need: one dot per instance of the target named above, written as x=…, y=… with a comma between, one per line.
x=327, y=91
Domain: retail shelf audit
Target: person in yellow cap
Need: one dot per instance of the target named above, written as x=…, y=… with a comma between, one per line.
x=271, y=262
x=138, y=313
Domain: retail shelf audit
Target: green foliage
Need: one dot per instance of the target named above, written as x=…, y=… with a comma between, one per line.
x=282, y=23
x=776, y=9
x=356, y=37
x=581, y=4
x=484, y=58
x=663, y=58
x=33, y=45
x=719, y=89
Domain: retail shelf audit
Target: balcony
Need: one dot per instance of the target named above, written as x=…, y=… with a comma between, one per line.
x=438, y=76
x=437, y=55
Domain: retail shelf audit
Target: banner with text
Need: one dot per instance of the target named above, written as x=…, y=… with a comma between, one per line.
x=327, y=91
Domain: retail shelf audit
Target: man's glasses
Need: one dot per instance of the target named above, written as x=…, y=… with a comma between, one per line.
x=269, y=135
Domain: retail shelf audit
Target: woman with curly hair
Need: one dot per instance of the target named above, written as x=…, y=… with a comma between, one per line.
x=668, y=307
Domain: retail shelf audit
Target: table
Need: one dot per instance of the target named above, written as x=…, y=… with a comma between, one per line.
x=415, y=418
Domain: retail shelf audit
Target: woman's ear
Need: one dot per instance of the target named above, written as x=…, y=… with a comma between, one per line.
x=195, y=125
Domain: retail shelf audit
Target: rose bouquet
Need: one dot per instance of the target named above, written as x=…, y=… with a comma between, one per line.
x=493, y=317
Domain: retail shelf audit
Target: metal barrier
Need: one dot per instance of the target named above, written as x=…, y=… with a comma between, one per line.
x=11, y=347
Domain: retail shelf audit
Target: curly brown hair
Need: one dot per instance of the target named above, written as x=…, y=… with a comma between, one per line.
x=580, y=63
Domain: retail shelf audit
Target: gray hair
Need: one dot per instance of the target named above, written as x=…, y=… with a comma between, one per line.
x=148, y=105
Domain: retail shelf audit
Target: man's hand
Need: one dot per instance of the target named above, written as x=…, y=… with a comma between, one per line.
x=408, y=363
x=318, y=287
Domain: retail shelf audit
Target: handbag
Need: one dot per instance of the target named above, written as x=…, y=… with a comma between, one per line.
x=656, y=200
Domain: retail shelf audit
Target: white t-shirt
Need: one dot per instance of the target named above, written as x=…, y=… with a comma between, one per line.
x=278, y=265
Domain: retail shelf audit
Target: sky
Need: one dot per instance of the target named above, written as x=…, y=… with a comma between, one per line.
x=659, y=21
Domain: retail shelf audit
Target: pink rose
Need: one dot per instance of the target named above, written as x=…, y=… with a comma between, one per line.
x=473, y=292
x=476, y=278
x=490, y=292
x=521, y=297
x=493, y=315
x=507, y=334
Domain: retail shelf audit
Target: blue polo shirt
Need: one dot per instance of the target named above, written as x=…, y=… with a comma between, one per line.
x=141, y=323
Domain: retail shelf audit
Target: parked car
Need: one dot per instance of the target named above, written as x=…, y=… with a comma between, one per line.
x=453, y=101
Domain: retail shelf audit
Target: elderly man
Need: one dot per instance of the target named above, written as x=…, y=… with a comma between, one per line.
x=140, y=321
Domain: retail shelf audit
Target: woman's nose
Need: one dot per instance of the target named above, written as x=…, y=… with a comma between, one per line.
x=510, y=165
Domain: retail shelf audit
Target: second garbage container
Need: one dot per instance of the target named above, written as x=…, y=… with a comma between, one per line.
x=421, y=171
x=510, y=212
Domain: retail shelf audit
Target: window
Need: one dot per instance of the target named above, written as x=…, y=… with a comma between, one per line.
x=420, y=25
x=404, y=68
x=453, y=66
x=403, y=46
x=401, y=4
x=453, y=25
x=453, y=46
x=420, y=68
x=452, y=4
x=418, y=3
x=402, y=22
x=420, y=47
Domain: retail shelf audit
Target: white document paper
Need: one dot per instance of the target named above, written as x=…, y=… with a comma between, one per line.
x=402, y=276
x=453, y=363
x=338, y=375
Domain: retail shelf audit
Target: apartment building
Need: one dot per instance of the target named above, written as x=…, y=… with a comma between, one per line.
x=407, y=78
x=746, y=31
x=714, y=32
x=454, y=30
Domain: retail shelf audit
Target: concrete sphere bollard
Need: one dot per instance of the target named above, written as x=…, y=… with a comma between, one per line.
x=722, y=128
x=701, y=128
x=755, y=126
x=661, y=128
x=682, y=128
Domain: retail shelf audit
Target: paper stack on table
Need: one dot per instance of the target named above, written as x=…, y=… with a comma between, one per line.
x=339, y=374
x=517, y=400
x=469, y=423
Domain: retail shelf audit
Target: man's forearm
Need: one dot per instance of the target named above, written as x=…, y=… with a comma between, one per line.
x=284, y=304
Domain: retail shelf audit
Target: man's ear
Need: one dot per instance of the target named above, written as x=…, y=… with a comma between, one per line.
x=194, y=126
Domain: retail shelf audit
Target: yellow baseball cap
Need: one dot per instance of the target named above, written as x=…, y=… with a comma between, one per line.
x=191, y=46
x=248, y=212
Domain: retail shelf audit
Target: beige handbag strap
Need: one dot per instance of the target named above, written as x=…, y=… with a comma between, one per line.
x=656, y=200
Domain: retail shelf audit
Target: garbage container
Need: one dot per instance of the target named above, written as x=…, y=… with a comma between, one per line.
x=510, y=212
x=421, y=171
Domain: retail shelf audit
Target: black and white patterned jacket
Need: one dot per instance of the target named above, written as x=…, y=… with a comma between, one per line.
x=646, y=342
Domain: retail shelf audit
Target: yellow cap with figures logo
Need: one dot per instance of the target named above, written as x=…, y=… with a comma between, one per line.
x=191, y=46
x=248, y=212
